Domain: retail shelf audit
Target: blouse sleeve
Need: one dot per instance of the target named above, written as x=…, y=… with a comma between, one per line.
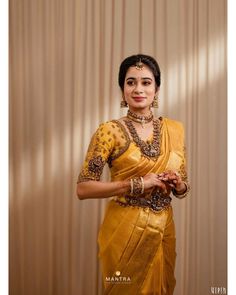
x=183, y=171
x=99, y=150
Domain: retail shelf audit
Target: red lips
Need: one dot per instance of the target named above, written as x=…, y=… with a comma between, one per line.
x=138, y=98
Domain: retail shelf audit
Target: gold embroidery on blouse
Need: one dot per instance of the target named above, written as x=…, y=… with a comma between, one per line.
x=95, y=168
x=121, y=149
x=105, y=146
x=183, y=174
x=182, y=169
x=96, y=165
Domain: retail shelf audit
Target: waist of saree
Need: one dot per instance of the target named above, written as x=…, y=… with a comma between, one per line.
x=155, y=201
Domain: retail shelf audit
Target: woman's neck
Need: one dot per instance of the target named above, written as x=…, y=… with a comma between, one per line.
x=141, y=112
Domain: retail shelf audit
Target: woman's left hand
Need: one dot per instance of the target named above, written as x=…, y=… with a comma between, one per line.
x=173, y=179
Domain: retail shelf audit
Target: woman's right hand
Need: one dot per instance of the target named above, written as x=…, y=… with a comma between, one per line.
x=152, y=180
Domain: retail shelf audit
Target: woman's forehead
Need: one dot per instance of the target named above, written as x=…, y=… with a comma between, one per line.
x=133, y=72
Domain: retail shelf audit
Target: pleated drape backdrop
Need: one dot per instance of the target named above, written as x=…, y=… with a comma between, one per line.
x=64, y=60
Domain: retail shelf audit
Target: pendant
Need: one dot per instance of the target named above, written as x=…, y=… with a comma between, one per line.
x=143, y=122
x=149, y=149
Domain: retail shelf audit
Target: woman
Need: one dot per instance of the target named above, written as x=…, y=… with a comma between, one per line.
x=147, y=163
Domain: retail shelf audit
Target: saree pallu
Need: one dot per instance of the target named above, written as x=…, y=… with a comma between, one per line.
x=136, y=245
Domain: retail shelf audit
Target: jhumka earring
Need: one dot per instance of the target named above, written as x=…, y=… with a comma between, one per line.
x=155, y=102
x=123, y=104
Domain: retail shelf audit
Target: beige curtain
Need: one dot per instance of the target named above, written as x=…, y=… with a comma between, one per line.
x=64, y=60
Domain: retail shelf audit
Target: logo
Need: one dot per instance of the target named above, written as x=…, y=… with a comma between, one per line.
x=117, y=273
x=218, y=290
x=118, y=279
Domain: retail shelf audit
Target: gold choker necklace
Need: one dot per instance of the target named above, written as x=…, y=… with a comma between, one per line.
x=140, y=119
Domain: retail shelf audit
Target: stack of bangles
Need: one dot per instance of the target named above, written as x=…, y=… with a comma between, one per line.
x=136, y=186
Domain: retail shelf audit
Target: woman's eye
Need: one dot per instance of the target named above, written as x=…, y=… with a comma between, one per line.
x=130, y=83
x=146, y=83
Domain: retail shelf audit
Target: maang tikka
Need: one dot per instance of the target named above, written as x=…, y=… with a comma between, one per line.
x=139, y=65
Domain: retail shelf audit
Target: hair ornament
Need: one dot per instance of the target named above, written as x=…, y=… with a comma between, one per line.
x=139, y=65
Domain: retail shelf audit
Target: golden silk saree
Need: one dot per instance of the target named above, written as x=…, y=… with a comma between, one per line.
x=136, y=243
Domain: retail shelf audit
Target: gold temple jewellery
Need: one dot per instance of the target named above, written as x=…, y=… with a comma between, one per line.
x=148, y=149
x=140, y=119
x=156, y=202
x=139, y=65
x=136, y=186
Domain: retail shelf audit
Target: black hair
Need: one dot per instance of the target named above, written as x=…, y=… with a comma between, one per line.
x=132, y=60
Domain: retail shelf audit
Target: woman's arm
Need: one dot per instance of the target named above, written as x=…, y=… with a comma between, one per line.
x=98, y=189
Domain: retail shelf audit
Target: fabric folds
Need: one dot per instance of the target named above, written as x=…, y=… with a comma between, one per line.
x=139, y=245
x=136, y=245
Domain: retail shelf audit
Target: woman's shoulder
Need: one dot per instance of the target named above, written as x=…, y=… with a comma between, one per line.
x=175, y=129
x=113, y=132
x=110, y=125
x=113, y=129
x=172, y=123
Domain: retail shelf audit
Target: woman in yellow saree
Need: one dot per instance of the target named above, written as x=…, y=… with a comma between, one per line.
x=147, y=163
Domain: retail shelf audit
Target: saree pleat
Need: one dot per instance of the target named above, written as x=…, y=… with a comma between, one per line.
x=136, y=249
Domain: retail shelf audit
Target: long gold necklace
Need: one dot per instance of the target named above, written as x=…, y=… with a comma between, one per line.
x=149, y=149
x=140, y=119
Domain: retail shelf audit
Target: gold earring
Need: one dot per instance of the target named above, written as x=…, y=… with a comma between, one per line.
x=123, y=103
x=155, y=103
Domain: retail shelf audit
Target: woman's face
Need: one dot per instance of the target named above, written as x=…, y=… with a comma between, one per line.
x=139, y=88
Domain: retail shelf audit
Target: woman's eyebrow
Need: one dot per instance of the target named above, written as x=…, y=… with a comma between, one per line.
x=147, y=78
x=143, y=78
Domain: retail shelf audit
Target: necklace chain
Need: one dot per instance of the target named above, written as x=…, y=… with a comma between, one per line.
x=140, y=119
x=149, y=149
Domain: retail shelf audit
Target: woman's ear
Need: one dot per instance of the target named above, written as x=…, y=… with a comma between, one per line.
x=157, y=91
x=123, y=103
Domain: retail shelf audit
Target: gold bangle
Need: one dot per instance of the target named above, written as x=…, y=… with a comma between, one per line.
x=137, y=186
x=142, y=191
x=131, y=187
